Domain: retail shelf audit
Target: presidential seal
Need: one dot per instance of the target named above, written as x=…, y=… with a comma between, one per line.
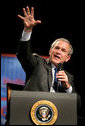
x=44, y=112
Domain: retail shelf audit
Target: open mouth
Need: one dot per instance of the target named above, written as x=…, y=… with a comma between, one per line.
x=56, y=56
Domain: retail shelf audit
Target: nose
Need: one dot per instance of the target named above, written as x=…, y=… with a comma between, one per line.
x=58, y=51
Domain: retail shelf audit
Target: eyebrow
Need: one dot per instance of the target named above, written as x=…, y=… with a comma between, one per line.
x=63, y=49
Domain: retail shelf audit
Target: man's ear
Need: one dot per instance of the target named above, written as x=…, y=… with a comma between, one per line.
x=49, y=51
x=68, y=58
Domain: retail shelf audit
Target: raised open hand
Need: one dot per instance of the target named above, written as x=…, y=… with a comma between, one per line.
x=28, y=19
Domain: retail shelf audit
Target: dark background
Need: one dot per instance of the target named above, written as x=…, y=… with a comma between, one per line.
x=60, y=18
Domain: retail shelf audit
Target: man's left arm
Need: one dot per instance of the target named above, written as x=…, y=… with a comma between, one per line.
x=66, y=80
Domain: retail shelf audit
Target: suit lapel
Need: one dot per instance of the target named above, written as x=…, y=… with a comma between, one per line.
x=49, y=73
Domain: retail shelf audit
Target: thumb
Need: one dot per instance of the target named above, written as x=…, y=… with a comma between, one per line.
x=37, y=22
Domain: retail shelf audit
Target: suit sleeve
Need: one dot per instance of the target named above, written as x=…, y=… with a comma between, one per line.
x=71, y=81
x=25, y=56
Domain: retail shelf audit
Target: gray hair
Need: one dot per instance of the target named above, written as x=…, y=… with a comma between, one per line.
x=63, y=39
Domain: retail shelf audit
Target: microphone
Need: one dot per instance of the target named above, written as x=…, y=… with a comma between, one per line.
x=60, y=67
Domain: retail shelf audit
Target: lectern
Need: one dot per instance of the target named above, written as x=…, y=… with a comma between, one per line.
x=42, y=108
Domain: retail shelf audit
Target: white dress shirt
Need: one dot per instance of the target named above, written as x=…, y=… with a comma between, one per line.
x=25, y=37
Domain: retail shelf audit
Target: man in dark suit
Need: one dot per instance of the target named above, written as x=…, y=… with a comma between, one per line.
x=40, y=72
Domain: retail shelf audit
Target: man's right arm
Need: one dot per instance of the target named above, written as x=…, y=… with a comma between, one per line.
x=24, y=49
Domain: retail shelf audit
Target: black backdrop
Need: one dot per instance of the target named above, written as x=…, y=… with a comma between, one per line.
x=60, y=18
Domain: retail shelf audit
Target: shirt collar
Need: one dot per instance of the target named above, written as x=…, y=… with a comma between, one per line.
x=53, y=66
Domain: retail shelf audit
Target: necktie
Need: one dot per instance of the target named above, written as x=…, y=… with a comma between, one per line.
x=55, y=80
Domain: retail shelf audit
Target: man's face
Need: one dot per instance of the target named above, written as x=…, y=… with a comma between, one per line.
x=59, y=53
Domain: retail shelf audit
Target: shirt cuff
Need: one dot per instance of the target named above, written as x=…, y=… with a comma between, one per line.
x=26, y=36
x=69, y=90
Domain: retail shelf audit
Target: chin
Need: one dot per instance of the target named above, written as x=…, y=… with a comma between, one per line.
x=55, y=62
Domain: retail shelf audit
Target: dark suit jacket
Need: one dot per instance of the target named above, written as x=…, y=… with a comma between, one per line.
x=38, y=70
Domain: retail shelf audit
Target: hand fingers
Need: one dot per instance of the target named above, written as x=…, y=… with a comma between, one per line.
x=61, y=71
x=28, y=10
x=64, y=80
x=37, y=22
x=61, y=75
x=25, y=13
x=32, y=11
x=20, y=17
